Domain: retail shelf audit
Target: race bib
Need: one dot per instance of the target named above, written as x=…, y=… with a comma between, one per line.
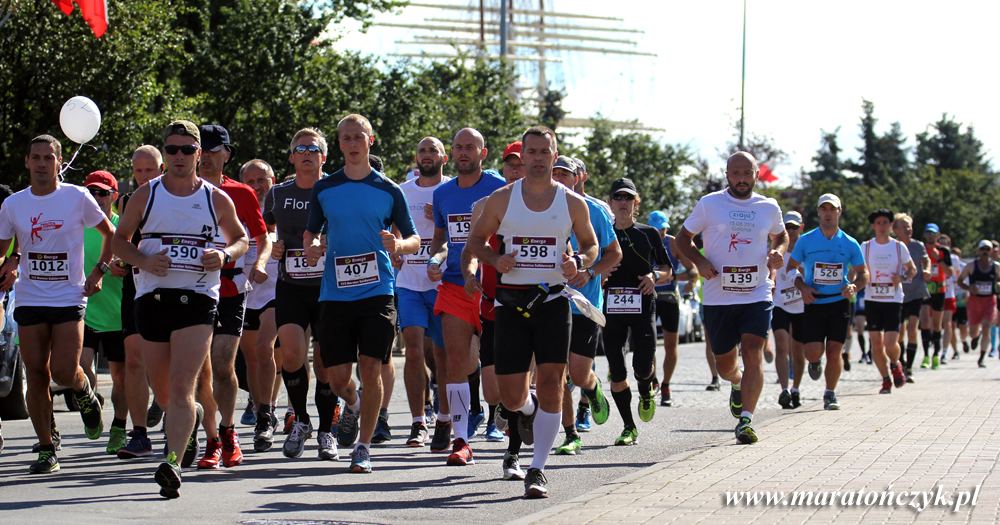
x=881, y=292
x=48, y=266
x=297, y=268
x=356, y=270
x=251, y=254
x=934, y=269
x=624, y=301
x=535, y=252
x=791, y=295
x=739, y=279
x=459, y=225
x=422, y=257
x=984, y=288
x=828, y=273
x=185, y=252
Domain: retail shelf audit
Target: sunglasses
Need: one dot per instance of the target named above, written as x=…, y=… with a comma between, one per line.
x=190, y=149
x=623, y=197
x=312, y=148
x=98, y=192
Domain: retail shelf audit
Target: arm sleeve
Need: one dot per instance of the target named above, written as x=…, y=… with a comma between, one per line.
x=316, y=218
x=6, y=225
x=605, y=231
x=857, y=258
x=904, y=254
x=777, y=224
x=91, y=212
x=659, y=252
x=267, y=214
x=695, y=223
x=799, y=251
x=439, y=219
x=945, y=255
x=401, y=214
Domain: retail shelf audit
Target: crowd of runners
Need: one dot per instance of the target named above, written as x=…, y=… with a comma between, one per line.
x=506, y=287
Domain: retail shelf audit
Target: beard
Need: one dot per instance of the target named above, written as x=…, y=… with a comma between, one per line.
x=741, y=194
x=473, y=166
x=430, y=171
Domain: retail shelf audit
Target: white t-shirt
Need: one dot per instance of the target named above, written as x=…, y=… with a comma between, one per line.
x=735, y=234
x=261, y=294
x=50, y=230
x=884, y=261
x=951, y=283
x=786, y=295
x=413, y=274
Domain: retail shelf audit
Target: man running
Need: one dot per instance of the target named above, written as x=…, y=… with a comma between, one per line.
x=932, y=313
x=982, y=275
x=826, y=255
x=736, y=224
x=914, y=289
x=49, y=218
x=786, y=320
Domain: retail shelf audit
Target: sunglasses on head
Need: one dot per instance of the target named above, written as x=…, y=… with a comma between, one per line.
x=170, y=149
x=623, y=197
x=98, y=192
x=312, y=148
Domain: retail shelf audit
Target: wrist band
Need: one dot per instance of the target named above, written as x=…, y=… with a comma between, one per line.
x=433, y=261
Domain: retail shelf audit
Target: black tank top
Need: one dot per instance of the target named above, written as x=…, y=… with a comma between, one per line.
x=979, y=276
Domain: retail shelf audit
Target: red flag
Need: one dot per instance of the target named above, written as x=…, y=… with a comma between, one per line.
x=66, y=6
x=95, y=12
x=766, y=175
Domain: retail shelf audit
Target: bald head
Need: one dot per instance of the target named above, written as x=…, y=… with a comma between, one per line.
x=468, y=150
x=431, y=142
x=741, y=160
x=467, y=134
x=151, y=151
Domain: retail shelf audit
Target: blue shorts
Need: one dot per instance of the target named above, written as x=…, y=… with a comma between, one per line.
x=726, y=324
x=417, y=309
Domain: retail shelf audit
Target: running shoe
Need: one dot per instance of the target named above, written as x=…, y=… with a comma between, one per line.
x=295, y=443
x=714, y=386
x=534, y=484
x=965, y=346
x=599, y=405
x=499, y=420
x=815, y=370
x=511, y=467
x=526, y=424
x=46, y=463
x=830, y=401
x=327, y=449
x=116, y=441
x=139, y=446
x=192, y=449
x=418, y=435
x=796, y=400
x=927, y=361
x=249, y=413
x=943, y=356
x=475, y=420
x=361, y=462
x=847, y=362
x=461, y=454
x=665, y=400
x=886, y=386
x=981, y=363
x=232, y=455
x=263, y=433
x=735, y=402
x=745, y=433
x=785, y=400
x=335, y=426
x=935, y=363
x=153, y=415
x=569, y=447
x=954, y=354
x=168, y=476
x=993, y=352
x=492, y=434
x=90, y=412
x=429, y=415
x=768, y=355
x=213, y=455
x=909, y=375
x=647, y=405
x=656, y=383
x=629, y=437
x=382, y=431
x=348, y=429
x=289, y=421
x=583, y=418
x=898, y=377
x=442, y=436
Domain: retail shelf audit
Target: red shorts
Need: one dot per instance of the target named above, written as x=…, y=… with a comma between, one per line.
x=951, y=305
x=982, y=309
x=453, y=300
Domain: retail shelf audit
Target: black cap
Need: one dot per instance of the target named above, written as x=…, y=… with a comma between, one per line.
x=881, y=212
x=623, y=184
x=376, y=163
x=213, y=136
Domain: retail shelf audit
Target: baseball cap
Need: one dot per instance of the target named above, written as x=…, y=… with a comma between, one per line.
x=933, y=228
x=565, y=163
x=182, y=127
x=658, y=220
x=623, y=184
x=829, y=197
x=213, y=136
x=985, y=244
x=793, y=217
x=514, y=148
x=102, y=179
x=581, y=165
x=881, y=212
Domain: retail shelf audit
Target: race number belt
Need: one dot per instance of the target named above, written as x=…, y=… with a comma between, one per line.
x=739, y=279
x=356, y=270
x=535, y=252
x=624, y=301
x=828, y=273
x=459, y=225
x=297, y=268
x=48, y=266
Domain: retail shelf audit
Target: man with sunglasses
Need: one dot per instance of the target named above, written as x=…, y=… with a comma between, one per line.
x=982, y=276
x=217, y=384
x=48, y=218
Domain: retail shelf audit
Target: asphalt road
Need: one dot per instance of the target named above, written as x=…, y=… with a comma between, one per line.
x=407, y=485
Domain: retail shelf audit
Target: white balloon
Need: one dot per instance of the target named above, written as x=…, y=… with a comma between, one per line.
x=80, y=119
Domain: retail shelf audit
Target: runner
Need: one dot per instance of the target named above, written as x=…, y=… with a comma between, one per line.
x=452, y=207
x=49, y=218
x=982, y=278
x=826, y=255
x=950, y=304
x=737, y=304
x=532, y=321
x=932, y=313
x=177, y=287
x=959, y=321
x=889, y=265
x=359, y=317
x=786, y=320
x=914, y=290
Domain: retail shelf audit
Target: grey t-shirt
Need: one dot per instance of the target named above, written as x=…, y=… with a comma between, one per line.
x=287, y=207
x=916, y=288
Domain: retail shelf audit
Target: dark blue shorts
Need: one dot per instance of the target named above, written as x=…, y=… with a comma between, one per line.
x=726, y=324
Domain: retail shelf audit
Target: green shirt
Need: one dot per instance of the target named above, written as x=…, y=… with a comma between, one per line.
x=104, y=309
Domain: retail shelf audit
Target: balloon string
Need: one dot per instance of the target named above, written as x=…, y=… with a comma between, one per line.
x=67, y=166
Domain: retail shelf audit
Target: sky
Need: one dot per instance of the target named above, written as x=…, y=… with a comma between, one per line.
x=809, y=66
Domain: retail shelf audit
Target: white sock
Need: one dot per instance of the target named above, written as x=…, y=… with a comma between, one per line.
x=528, y=408
x=829, y=391
x=748, y=415
x=444, y=417
x=420, y=419
x=365, y=445
x=458, y=400
x=355, y=407
x=546, y=431
x=795, y=390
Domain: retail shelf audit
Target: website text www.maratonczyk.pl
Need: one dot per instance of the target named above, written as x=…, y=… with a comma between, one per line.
x=918, y=500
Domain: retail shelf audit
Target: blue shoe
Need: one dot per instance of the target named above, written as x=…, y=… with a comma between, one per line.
x=475, y=420
x=139, y=446
x=249, y=413
x=492, y=434
x=361, y=462
x=582, y=418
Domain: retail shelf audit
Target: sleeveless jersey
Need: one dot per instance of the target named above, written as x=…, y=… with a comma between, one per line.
x=536, y=239
x=982, y=283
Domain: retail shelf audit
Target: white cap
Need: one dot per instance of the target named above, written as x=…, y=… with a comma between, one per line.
x=831, y=198
x=985, y=243
x=793, y=217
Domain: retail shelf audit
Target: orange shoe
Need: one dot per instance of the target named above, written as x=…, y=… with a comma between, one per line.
x=231, y=453
x=461, y=454
x=213, y=453
x=289, y=421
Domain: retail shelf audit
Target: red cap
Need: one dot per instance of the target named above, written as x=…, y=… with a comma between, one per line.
x=103, y=180
x=514, y=148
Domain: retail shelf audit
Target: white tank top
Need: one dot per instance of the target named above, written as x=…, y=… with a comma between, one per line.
x=185, y=227
x=537, y=239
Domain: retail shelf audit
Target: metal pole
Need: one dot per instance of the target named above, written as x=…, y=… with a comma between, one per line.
x=743, y=83
x=503, y=29
x=482, y=25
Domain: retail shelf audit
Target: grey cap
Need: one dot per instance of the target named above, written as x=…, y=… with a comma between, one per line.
x=793, y=217
x=565, y=163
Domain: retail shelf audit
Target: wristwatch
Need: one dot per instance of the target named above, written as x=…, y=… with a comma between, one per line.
x=103, y=267
x=226, y=259
x=590, y=272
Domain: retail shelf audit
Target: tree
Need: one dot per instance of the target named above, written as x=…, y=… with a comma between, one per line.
x=760, y=145
x=945, y=147
x=829, y=167
x=883, y=158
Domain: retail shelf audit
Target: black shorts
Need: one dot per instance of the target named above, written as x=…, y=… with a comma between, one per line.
x=583, y=338
x=936, y=301
x=640, y=331
x=251, y=318
x=111, y=343
x=487, y=343
x=670, y=315
x=351, y=328
x=230, y=318
x=826, y=322
x=884, y=317
x=545, y=335
x=725, y=325
x=164, y=310
x=32, y=315
x=128, y=305
x=791, y=323
x=961, y=317
x=912, y=308
x=853, y=309
x=297, y=304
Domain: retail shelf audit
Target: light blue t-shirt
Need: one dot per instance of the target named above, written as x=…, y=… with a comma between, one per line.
x=357, y=265
x=605, y=231
x=453, y=212
x=825, y=262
